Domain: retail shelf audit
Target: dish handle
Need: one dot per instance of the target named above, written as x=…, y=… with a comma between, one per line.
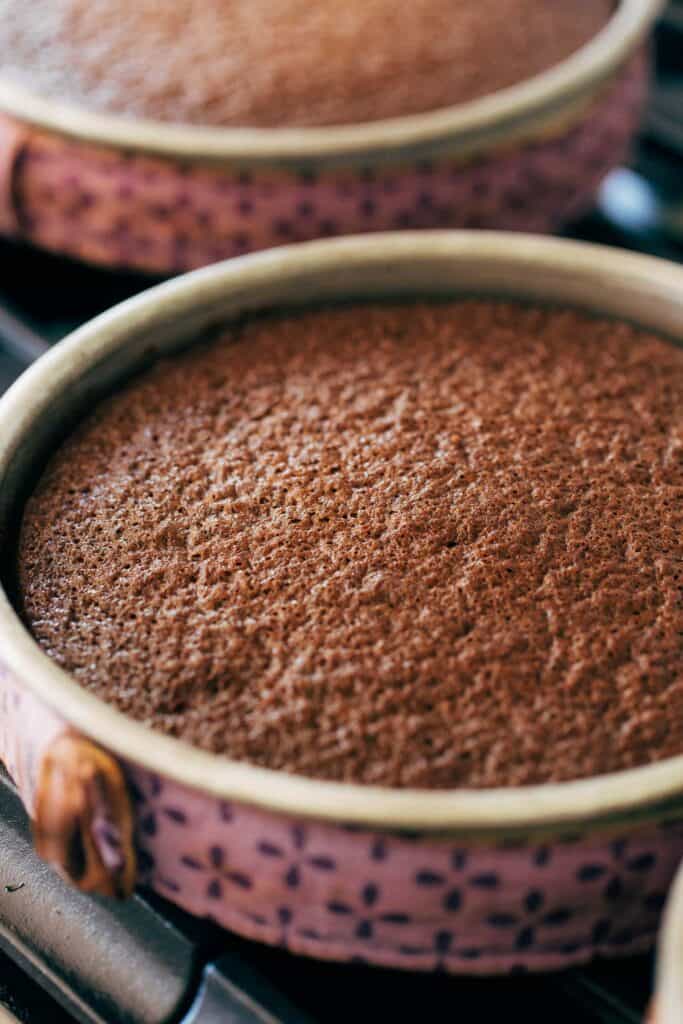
x=74, y=791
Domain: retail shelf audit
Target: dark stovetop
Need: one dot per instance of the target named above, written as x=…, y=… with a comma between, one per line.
x=163, y=965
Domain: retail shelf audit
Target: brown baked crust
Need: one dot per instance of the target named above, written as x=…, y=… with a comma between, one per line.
x=275, y=63
x=429, y=545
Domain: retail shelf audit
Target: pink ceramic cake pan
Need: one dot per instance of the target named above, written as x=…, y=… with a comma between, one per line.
x=165, y=198
x=466, y=881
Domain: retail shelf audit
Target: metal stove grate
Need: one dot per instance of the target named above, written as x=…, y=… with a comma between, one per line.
x=65, y=957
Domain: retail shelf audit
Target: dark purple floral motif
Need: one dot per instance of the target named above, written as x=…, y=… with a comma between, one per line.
x=367, y=914
x=452, y=901
x=642, y=863
x=442, y=944
x=305, y=208
x=148, y=824
x=459, y=860
x=629, y=869
x=137, y=796
x=215, y=864
x=485, y=880
x=175, y=814
x=591, y=872
x=453, y=896
x=284, y=915
x=618, y=848
x=283, y=228
x=542, y=856
x=169, y=884
x=155, y=786
x=241, y=241
x=379, y=850
x=425, y=878
x=295, y=856
x=534, y=916
x=328, y=227
x=225, y=811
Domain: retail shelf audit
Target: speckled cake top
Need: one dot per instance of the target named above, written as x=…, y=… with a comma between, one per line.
x=285, y=62
x=422, y=545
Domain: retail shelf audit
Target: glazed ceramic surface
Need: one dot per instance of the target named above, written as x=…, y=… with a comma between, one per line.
x=485, y=882
x=162, y=199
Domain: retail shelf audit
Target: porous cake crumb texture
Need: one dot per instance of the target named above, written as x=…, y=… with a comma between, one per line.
x=424, y=545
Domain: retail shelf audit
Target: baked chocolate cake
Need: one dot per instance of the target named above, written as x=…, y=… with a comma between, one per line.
x=433, y=545
x=277, y=63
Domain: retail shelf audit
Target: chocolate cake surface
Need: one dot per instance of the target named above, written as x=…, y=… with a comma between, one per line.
x=274, y=63
x=430, y=545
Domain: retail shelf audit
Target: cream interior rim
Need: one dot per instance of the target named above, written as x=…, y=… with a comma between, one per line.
x=621, y=283
x=593, y=62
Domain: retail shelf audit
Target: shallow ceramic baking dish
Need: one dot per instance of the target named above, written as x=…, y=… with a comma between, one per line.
x=166, y=198
x=469, y=881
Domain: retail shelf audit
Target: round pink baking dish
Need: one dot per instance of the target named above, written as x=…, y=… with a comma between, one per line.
x=469, y=881
x=166, y=198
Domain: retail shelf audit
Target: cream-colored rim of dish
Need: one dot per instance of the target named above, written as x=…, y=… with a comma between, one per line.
x=578, y=73
x=669, y=988
x=573, y=272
